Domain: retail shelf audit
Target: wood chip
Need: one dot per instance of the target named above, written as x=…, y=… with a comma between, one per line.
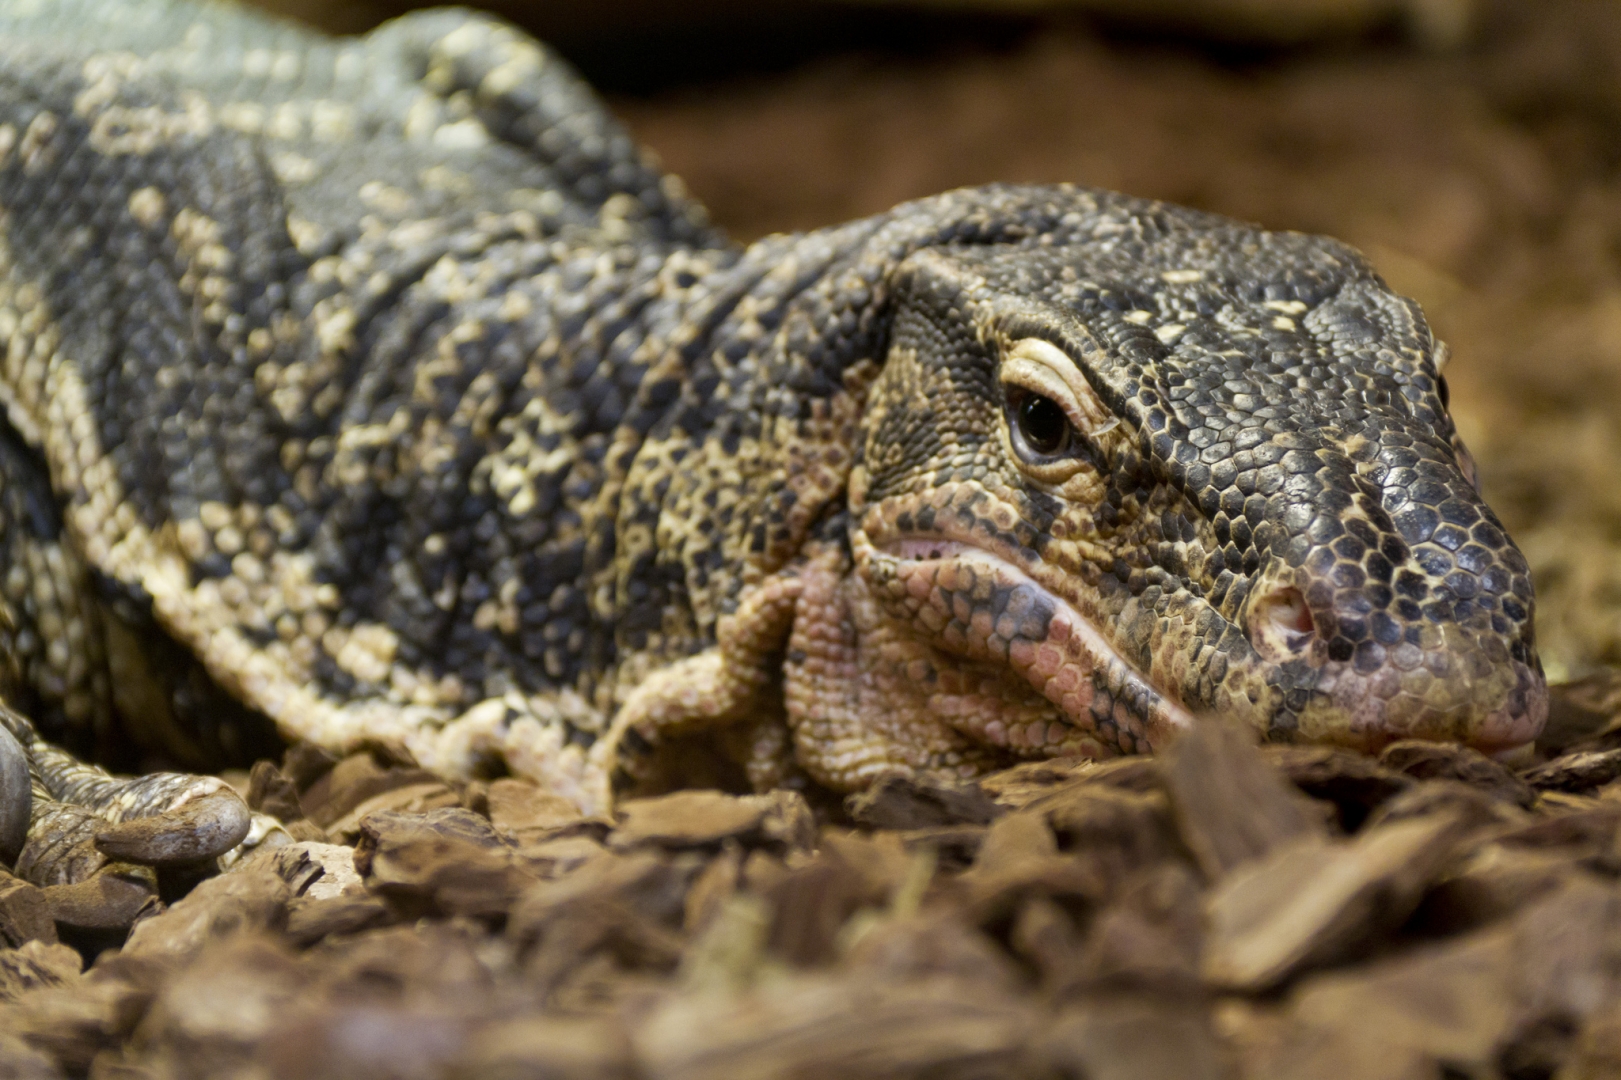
x=1316, y=900
x=543, y=1047
x=351, y=782
x=245, y=901
x=1432, y=761
x=36, y=965
x=906, y=802
x=703, y=818
x=1126, y=1038
x=1230, y=806
x=25, y=914
x=1356, y=784
x=525, y=814
x=445, y=862
x=1583, y=714
x=1578, y=772
x=271, y=792
x=814, y=1026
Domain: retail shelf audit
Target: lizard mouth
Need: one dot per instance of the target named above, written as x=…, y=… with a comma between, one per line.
x=972, y=602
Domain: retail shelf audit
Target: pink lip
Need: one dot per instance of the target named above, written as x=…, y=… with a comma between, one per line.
x=1059, y=666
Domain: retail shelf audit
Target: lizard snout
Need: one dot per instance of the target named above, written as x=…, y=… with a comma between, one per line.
x=1366, y=640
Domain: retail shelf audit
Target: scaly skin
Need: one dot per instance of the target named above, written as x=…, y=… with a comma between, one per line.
x=382, y=392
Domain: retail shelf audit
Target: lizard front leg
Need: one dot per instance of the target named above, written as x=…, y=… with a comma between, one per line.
x=731, y=682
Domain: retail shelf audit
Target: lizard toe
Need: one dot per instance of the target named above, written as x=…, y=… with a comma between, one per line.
x=200, y=827
x=110, y=899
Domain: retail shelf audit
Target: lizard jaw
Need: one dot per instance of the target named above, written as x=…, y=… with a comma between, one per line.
x=974, y=603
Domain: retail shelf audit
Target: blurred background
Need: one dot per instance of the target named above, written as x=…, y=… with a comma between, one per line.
x=1472, y=148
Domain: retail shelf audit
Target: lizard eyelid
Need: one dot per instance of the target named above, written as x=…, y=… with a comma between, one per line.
x=1040, y=367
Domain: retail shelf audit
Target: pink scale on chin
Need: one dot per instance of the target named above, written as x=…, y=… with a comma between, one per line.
x=1065, y=681
x=1049, y=659
x=1077, y=702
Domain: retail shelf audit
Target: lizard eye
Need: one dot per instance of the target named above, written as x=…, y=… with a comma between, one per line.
x=1043, y=429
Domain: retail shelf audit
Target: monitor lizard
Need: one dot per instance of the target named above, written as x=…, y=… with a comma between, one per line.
x=383, y=391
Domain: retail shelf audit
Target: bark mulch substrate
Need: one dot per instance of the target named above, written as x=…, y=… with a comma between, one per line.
x=1220, y=911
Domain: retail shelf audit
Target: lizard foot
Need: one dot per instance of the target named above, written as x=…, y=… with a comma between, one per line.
x=96, y=842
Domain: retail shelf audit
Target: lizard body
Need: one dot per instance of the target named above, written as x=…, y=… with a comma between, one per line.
x=382, y=391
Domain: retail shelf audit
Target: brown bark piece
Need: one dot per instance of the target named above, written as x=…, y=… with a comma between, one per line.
x=1353, y=782
x=626, y=909
x=810, y=905
x=1134, y=1037
x=824, y=1027
x=1431, y=761
x=25, y=914
x=1230, y=806
x=1127, y=829
x=351, y=782
x=1315, y=900
x=245, y=901
x=339, y=1039
x=1150, y=937
x=525, y=814
x=1451, y=1002
x=1583, y=714
x=447, y=862
x=549, y=1046
x=418, y=798
x=271, y=792
x=110, y=899
x=313, y=919
x=560, y=855
x=70, y=1025
x=387, y=827
x=1568, y=947
x=311, y=869
x=1479, y=808
x=19, y=1061
x=1023, y=783
x=1020, y=859
x=304, y=763
x=932, y=946
x=1597, y=1051
x=908, y=802
x=1494, y=882
x=954, y=846
x=1594, y=826
x=688, y=819
x=1577, y=772
x=226, y=1007
x=36, y=965
x=713, y=886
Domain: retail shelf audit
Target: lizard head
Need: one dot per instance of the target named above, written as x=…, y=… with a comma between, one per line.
x=1171, y=471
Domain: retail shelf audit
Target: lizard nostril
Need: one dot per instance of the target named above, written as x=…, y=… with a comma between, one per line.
x=1281, y=624
x=1287, y=610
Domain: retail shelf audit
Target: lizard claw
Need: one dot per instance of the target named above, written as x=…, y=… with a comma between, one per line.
x=199, y=827
x=110, y=899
